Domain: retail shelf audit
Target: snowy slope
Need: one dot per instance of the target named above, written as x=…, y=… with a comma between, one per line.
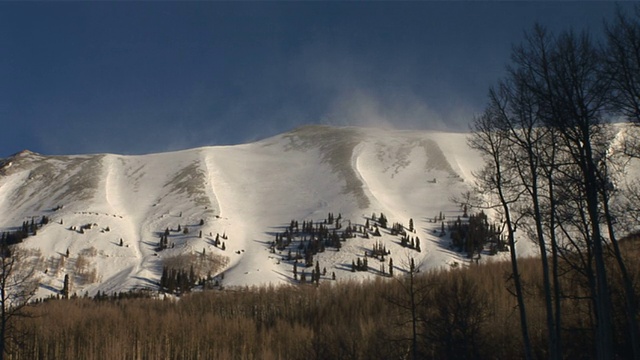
x=248, y=192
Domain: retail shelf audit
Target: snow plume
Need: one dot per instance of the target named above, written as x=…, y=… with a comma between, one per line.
x=393, y=111
x=372, y=90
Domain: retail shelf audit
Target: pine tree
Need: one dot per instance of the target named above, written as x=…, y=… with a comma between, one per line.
x=390, y=266
x=383, y=221
x=121, y=242
x=411, y=225
x=317, y=272
x=65, y=287
x=192, y=276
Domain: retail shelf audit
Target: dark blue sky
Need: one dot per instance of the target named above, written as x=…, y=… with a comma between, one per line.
x=143, y=77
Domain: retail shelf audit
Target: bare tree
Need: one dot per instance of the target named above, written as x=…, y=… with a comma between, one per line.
x=18, y=284
x=498, y=181
x=545, y=140
x=623, y=64
x=455, y=316
x=576, y=84
x=414, y=293
x=517, y=115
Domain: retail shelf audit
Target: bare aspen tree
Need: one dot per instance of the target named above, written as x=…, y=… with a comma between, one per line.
x=545, y=141
x=413, y=295
x=18, y=284
x=623, y=63
x=496, y=181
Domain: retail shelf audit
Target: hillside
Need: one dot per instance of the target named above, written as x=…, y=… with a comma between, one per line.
x=245, y=194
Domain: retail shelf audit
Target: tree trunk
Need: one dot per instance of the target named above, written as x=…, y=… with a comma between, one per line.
x=604, y=338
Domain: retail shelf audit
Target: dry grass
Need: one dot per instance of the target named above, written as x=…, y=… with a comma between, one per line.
x=348, y=320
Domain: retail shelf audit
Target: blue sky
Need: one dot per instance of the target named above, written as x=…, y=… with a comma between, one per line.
x=141, y=77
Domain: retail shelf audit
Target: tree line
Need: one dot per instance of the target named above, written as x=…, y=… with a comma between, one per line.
x=466, y=313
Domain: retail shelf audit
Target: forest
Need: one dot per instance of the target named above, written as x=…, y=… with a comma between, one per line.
x=466, y=313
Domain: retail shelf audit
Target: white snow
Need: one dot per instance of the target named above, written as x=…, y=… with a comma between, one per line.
x=249, y=192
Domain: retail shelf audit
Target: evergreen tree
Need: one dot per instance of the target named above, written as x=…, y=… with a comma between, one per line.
x=317, y=271
x=65, y=287
x=383, y=221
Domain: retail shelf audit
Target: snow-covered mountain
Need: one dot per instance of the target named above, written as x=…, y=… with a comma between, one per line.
x=248, y=193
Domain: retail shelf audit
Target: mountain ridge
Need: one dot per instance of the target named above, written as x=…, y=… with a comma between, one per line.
x=246, y=192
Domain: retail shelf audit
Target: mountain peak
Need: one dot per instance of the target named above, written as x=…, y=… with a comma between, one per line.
x=24, y=153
